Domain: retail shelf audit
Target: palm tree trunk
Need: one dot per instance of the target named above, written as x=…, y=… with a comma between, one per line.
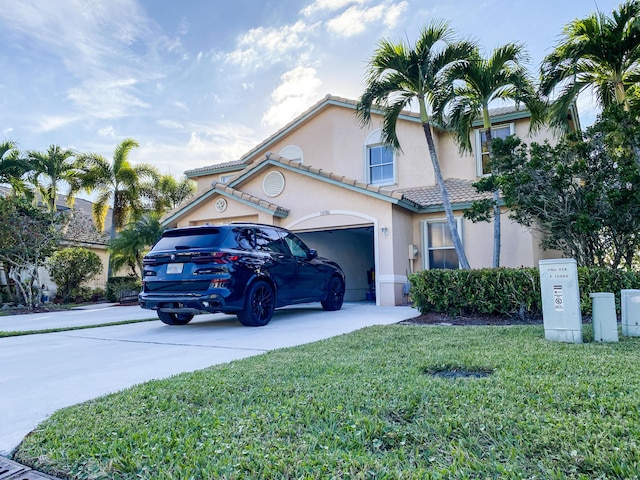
x=453, y=227
x=496, y=196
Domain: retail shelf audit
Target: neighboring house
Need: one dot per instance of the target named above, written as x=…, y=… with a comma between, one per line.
x=80, y=232
x=376, y=212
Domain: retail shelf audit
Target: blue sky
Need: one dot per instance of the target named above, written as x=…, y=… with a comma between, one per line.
x=198, y=82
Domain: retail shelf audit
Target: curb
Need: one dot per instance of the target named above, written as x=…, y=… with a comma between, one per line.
x=10, y=470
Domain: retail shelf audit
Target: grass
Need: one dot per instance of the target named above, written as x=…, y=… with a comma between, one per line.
x=68, y=329
x=368, y=405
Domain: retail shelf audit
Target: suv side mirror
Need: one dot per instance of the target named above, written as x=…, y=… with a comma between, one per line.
x=313, y=253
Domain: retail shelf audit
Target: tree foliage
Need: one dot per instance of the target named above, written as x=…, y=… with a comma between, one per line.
x=28, y=235
x=71, y=267
x=582, y=195
x=399, y=74
x=600, y=51
x=129, y=246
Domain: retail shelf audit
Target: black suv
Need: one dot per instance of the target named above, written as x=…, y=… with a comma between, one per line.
x=242, y=268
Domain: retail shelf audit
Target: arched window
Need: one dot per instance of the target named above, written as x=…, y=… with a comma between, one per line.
x=292, y=152
x=380, y=161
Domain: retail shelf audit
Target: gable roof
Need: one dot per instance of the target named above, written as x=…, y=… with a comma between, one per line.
x=502, y=114
x=420, y=200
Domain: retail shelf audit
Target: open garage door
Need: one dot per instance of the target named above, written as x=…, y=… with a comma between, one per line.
x=353, y=249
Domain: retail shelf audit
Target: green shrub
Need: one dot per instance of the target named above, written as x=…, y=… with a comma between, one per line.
x=117, y=285
x=505, y=291
x=71, y=267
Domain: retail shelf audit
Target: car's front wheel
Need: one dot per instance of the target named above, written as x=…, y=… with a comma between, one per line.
x=259, y=305
x=175, y=318
x=335, y=295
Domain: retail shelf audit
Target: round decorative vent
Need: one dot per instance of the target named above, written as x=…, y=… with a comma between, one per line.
x=273, y=184
x=221, y=205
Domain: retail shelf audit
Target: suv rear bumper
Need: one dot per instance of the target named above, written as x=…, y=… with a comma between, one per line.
x=185, y=303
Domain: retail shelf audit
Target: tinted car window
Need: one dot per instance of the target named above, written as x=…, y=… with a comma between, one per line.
x=268, y=240
x=297, y=247
x=242, y=239
x=177, y=239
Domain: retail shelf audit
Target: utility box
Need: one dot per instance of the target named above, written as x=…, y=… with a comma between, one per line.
x=630, y=312
x=605, y=321
x=560, y=300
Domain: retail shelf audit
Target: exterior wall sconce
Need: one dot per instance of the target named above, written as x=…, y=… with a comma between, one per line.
x=385, y=231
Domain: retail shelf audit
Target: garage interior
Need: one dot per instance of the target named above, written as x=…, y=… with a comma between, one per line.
x=353, y=250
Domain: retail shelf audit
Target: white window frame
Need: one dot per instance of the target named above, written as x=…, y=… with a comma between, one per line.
x=374, y=141
x=226, y=178
x=478, y=137
x=426, y=248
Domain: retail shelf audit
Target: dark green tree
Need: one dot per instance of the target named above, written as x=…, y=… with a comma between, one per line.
x=581, y=195
x=28, y=236
x=71, y=267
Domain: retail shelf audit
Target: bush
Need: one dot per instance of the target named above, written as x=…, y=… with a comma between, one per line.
x=71, y=267
x=117, y=285
x=505, y=291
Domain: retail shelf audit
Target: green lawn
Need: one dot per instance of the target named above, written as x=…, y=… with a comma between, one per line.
x=368, y=405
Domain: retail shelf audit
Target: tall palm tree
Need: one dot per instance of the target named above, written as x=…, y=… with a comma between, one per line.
x=598, y=51
x=399, y=74
x=118, y=185
x=53, y=168
x=474, y=85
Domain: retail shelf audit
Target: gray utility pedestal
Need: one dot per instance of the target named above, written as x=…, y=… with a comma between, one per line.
x=560, y=300
x=630, y=310
x=605, y=322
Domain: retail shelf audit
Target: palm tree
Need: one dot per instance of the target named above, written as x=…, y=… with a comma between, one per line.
x=118, y=184
x=128, y=248
x=50, y=169
x=598, y=51
x=399, y=74
x=12, y=167
x=167, y=193
x=474, y=85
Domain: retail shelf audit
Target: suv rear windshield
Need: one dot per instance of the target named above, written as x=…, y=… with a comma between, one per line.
x=185, y=239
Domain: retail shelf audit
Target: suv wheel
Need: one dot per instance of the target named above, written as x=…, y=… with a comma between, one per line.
x=335, y=295
x=175, y=318
x=259, y=305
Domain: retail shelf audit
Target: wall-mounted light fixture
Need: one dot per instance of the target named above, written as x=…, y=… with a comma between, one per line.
x=385, y=231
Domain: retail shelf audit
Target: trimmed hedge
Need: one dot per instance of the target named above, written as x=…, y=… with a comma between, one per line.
x=506, y=291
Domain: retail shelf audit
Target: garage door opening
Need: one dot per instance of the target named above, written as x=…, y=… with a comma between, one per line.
x=353, y=249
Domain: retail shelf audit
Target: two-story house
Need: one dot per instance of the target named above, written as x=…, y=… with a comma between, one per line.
x=378, y=213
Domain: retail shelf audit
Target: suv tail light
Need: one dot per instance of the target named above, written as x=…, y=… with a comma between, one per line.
x=215, y=257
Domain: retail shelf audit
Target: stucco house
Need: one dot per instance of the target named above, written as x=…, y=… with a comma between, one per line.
x=376, y=212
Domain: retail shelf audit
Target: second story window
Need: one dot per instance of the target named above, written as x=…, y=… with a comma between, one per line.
x=380, y=164
x=482, y=152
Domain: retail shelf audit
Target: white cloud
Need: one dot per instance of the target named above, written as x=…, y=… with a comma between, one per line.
x=51, y=122
x=297, y=91
x=332, y=5
x=265, y=45
x=108, y=131
x=170, y=124
x=7, y=131
x=356, y=20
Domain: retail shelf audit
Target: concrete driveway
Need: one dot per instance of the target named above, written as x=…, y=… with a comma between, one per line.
x=42, y=373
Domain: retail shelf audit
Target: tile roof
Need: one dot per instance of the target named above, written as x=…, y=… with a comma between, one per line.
x=460, y=191
x=215, y=168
